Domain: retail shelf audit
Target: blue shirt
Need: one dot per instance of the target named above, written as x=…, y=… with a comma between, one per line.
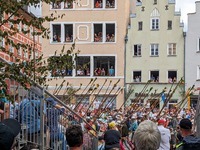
x=29, y=115
x=70, y=72
x=111, y=71
x=153, y=78
x=133, y=126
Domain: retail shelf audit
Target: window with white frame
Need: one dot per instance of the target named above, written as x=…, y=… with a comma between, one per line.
x=30, y=34
x=36, y=54
x=140, y=24
x=36, y=36
x=98, y=3
x=68, y=32
x=56, y=5
x=25, y=28
x=198, y=44
x=31, y=53
x=172, y=76
x=155, y=23
x=19, y=51
x=68, y=4
x=56, y=33
x=154, y=1
x=198, y=72
x=83, y=66
x=11, y=18
x=110, y=32
x=110, y=4
x=154, y=49
x=19, y=26
x=104, y=65
x=171, y=103
x=1, y=41
x=137, y=76
x=25, y=54
x=171, y=49
x=40, y=39
x=98, y=33
x=137, y=50
x=154, y=76
x=11, y=47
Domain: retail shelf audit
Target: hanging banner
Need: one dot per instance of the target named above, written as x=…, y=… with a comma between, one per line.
x=188, y=102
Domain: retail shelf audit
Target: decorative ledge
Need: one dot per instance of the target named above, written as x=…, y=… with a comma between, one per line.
x=129, y=26
x=138, y=3
x=172, y=1
x=177, y=13
x=132, y=15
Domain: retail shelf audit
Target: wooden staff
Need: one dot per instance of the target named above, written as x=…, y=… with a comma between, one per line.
x=95, y=97
x=55, y=89
x=61, y=85
x=65, y=91
x=72, y=95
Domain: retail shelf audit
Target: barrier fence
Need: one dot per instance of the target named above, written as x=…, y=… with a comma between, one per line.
x=43, y=121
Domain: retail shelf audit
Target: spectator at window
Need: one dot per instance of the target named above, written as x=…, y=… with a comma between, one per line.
x=169, y=80
x=157, y=79
x=59, y=38
x=96, y=72
x=71, y=6
x=69, y=73
x=55, y=38
x=100, y=36
x=103, y=72
x=71, y=39
x=140, y=78
x=79, y=72
x=66, y=4
x=113, y=4
x=96, y=39
x=99, y=71
x=153, y=78
x=174, y=80
x=108, y=4
x=87, y=72
x=67, y=39
x=97, y=4
x=59, y=5
x=100, y=4
x=107, y=38
x=111, y=71
x=137, y=79
x=113, y=38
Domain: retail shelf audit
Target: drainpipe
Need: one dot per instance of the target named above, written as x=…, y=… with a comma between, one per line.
x=126, y=39
x=184, y=35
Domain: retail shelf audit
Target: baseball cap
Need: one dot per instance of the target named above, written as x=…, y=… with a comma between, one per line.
x=9, y=129
x=111, y=125
x=185, y=124
x=51, y=101
x=161, y=122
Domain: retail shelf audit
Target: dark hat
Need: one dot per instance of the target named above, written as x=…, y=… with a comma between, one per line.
x=185, y=124
x=9, y=129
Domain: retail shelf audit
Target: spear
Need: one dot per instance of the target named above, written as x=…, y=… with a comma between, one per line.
x=72, y=94
x=95, y=97
x=61, y=85
x=65, y=91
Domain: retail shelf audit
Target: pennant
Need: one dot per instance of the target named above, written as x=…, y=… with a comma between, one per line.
x=163, y=97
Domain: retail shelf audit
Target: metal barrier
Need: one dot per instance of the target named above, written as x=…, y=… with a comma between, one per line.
x=44, y=121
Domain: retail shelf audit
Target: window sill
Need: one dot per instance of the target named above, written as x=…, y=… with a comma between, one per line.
x=171, y=55
x=169, y=29
x=198, y=51
x=139, y=30
x=198, y=80
x=154, y=29
x=154, y=56
x=137, y=56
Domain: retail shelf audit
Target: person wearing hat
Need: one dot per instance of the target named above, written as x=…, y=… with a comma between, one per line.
x=165, y=136
x=189, y=142
x=9, y=129
x=134, y=126
x=112, y=137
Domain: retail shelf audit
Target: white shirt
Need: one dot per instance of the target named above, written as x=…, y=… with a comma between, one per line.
x=165, y=137
x=148, y=105
x=96, y=104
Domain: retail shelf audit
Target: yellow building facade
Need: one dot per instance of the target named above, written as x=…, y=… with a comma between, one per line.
x=98, y=29
x=155, y=48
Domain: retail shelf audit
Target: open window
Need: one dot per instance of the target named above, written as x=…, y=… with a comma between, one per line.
x=56, y=5
x=83, y=66
x=98, y=3
x=169, y=24
x=137, y=50
x=172, y=76
x=154, y=76
x=60, y=67
x=56, y=33
x=110, y=4
x=171, y=49
x=137, y=76
x=68, y=4
x=104, y=66
x=98, y=32
x=68, y=32
x=171, y=103
x=110, y=32
x=140, y=24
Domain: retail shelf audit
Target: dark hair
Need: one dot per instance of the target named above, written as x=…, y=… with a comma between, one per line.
x=74, y=136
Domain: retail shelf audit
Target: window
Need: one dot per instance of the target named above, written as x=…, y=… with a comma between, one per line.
x=171, y=103
x=98, y=32
x=136, y=76
x=11, y=48
x=83, y=66
x=19, y=51
x=110, y=32
x=172, y=76
x=104, y=66
x=169, y=24
x=171, y=49
x=1, y=41
x=11, y=18
x=36, y=36
x=98, y=3
x=137, y=50
x=56, y=33
x=110, y=4
x=30, y=34
x=198, y=48
x=19, y=26
x=25, y=54
x=68, y=4
x=154, y=76
x=154, y=1
x=140, y=25
x=155, y=23
x=40, y=39
x=198, y=72
x=68, y=32
x=154, y=49
x=56, y=5
x=25, y=28
x=36, y=54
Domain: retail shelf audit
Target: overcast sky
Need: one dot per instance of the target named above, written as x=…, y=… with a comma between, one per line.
x=186, y=6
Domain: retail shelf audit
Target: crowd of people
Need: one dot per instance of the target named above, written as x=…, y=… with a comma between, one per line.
x=98, y=38
x=67, y=38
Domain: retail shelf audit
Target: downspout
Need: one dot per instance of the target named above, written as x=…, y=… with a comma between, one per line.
x=184, y=35
x=126, y=39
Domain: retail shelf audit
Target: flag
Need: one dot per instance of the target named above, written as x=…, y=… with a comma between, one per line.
x=163, y=97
